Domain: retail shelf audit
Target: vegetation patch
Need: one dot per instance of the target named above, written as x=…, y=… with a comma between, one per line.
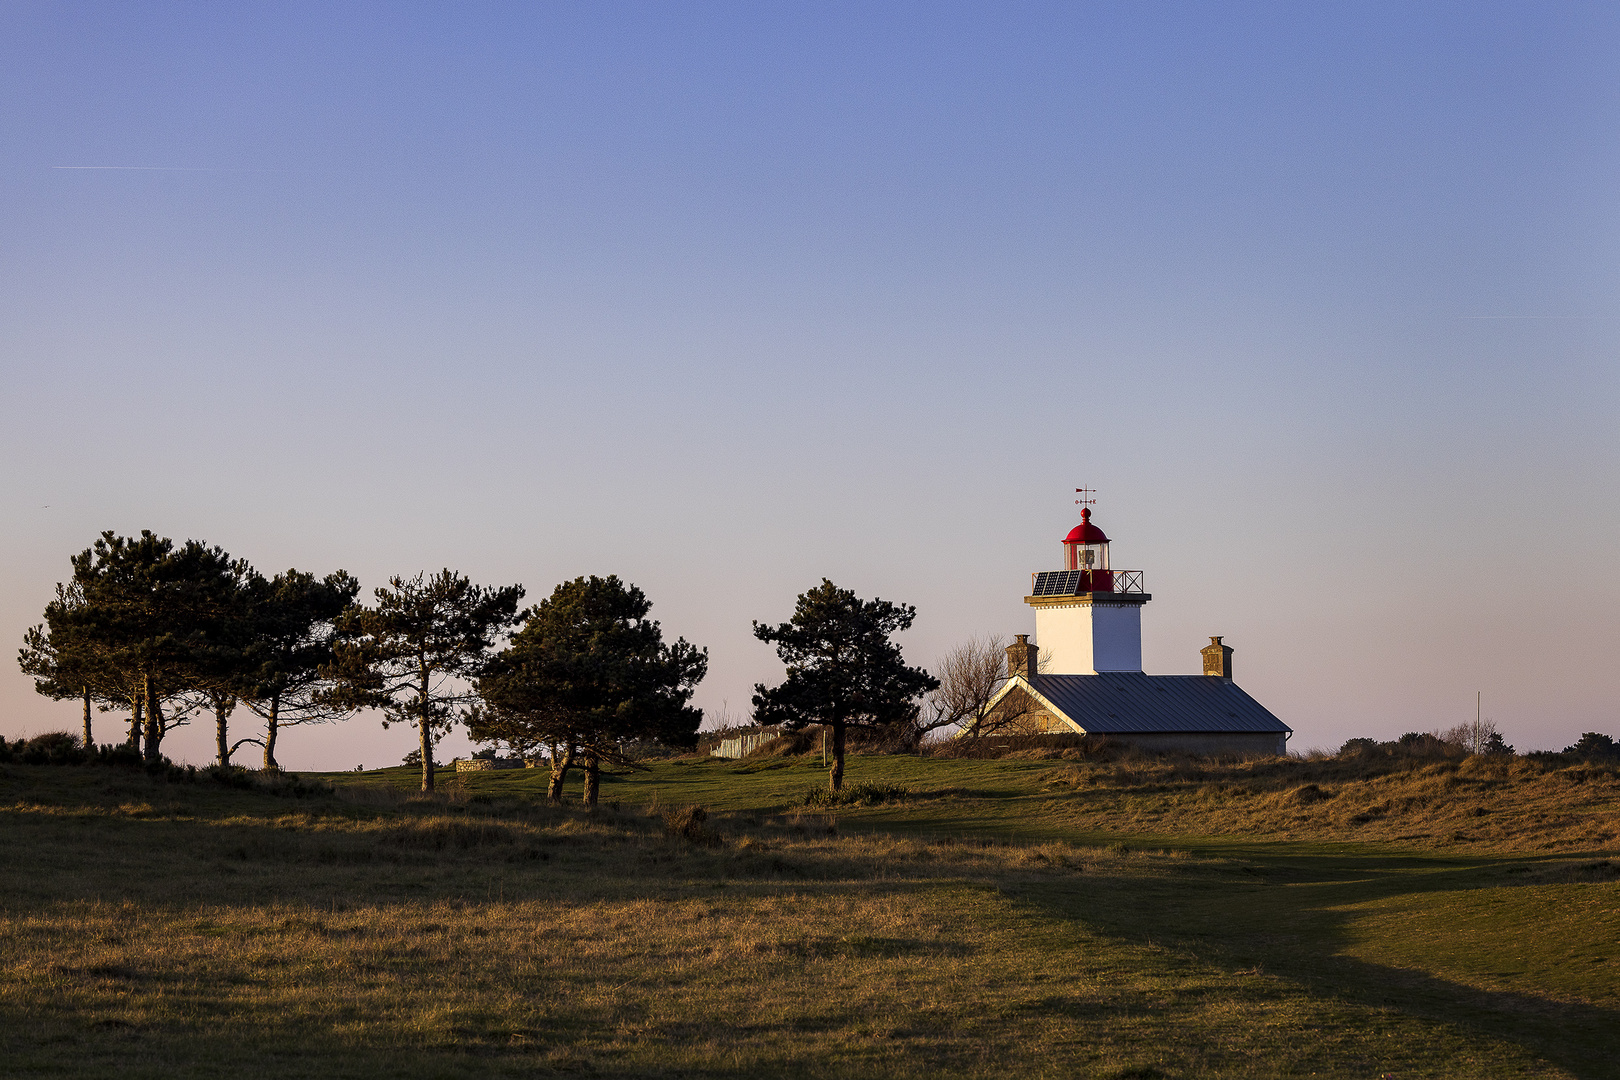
x=865, y=793
x=376, y=931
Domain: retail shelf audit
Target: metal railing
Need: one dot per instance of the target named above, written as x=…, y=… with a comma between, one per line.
x=1081, y=582
x=1128, y=581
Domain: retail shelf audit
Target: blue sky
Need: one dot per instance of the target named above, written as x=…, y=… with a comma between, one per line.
x=728, y=298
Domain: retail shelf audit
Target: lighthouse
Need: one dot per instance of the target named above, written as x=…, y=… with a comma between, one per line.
x=1088, y=616
x=1082, y=675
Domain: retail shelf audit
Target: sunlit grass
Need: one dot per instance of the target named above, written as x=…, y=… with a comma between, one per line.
x=165, y=929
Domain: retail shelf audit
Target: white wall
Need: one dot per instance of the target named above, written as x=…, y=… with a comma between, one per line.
x=1064, y=636
x=1083, y=639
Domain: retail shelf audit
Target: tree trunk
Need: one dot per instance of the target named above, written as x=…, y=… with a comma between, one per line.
x=272, y=725
x=89, y=736
x=559, y=773
x=222, y=734
x=427, y=758
x=154, y=722
x=135, y=713
x=836, y=773
x=593, y=780
x=424, y=722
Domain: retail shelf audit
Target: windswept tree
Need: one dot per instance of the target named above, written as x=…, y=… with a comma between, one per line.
x=588, y=674
x=157, y=621
x=281, y=682
x=412, y=653
x=64, y=663
x=843, y=669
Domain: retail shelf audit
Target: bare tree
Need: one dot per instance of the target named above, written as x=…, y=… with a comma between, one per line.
x=1476, y=737
x=970, y=676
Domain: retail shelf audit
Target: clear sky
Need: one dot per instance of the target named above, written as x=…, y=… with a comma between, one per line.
x=1322, y=298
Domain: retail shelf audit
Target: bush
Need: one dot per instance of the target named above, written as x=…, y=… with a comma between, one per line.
x=1594, y=744
x=233, y=776
x=686, y=822
x=54, y=748
x=51, y=748
x=122, y=754
x=65, y=748
x=863, y=794
x=1471, y=738
x=1423, y=744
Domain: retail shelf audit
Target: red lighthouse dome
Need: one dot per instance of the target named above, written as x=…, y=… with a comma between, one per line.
x=1085, y=532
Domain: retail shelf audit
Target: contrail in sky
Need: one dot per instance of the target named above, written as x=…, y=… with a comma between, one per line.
x=148, y=168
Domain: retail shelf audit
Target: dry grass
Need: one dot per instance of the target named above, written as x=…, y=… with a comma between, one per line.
x=1489, y=803
x=154, y=929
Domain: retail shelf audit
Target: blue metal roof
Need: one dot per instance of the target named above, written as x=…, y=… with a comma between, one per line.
x=1131, y=701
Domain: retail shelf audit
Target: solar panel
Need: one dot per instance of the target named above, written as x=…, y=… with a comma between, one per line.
x=1057, y=583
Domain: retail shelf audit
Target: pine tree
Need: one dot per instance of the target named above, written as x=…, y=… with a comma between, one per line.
x=842, y=668
x=153, y=621
x=292, y=616
x=66, y=664
x=411, y=653
x=587, y=675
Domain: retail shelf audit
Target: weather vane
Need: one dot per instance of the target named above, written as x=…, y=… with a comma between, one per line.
x=1083, y=500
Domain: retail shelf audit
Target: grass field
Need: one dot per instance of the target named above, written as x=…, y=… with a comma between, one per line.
x=1011, y=917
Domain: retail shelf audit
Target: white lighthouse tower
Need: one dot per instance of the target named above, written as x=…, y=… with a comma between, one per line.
x=1088, y=616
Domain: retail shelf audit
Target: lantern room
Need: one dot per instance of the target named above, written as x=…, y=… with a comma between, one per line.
x=1086, y=546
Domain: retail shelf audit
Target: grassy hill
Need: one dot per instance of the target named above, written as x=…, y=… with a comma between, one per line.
x=976, y=918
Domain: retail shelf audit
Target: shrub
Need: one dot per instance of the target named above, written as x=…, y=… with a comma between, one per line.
x=233, y=776
x=64, y=748
x=686, y=822
x=862, y=794
x=1594, y=744
x=51, y=748
x=121, y=754
x=1357, y=748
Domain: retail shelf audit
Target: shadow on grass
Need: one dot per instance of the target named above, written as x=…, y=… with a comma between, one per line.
x=1281, y=907
x=1288, y=912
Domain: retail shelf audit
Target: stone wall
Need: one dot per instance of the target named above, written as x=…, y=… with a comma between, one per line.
x=483, y=764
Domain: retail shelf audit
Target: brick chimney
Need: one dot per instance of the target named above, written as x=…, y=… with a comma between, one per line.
x=1218, y=659
x=1021, y=657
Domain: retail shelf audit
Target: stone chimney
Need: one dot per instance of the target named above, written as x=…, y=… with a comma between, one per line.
x=1218, y=659
x=1021, y=657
